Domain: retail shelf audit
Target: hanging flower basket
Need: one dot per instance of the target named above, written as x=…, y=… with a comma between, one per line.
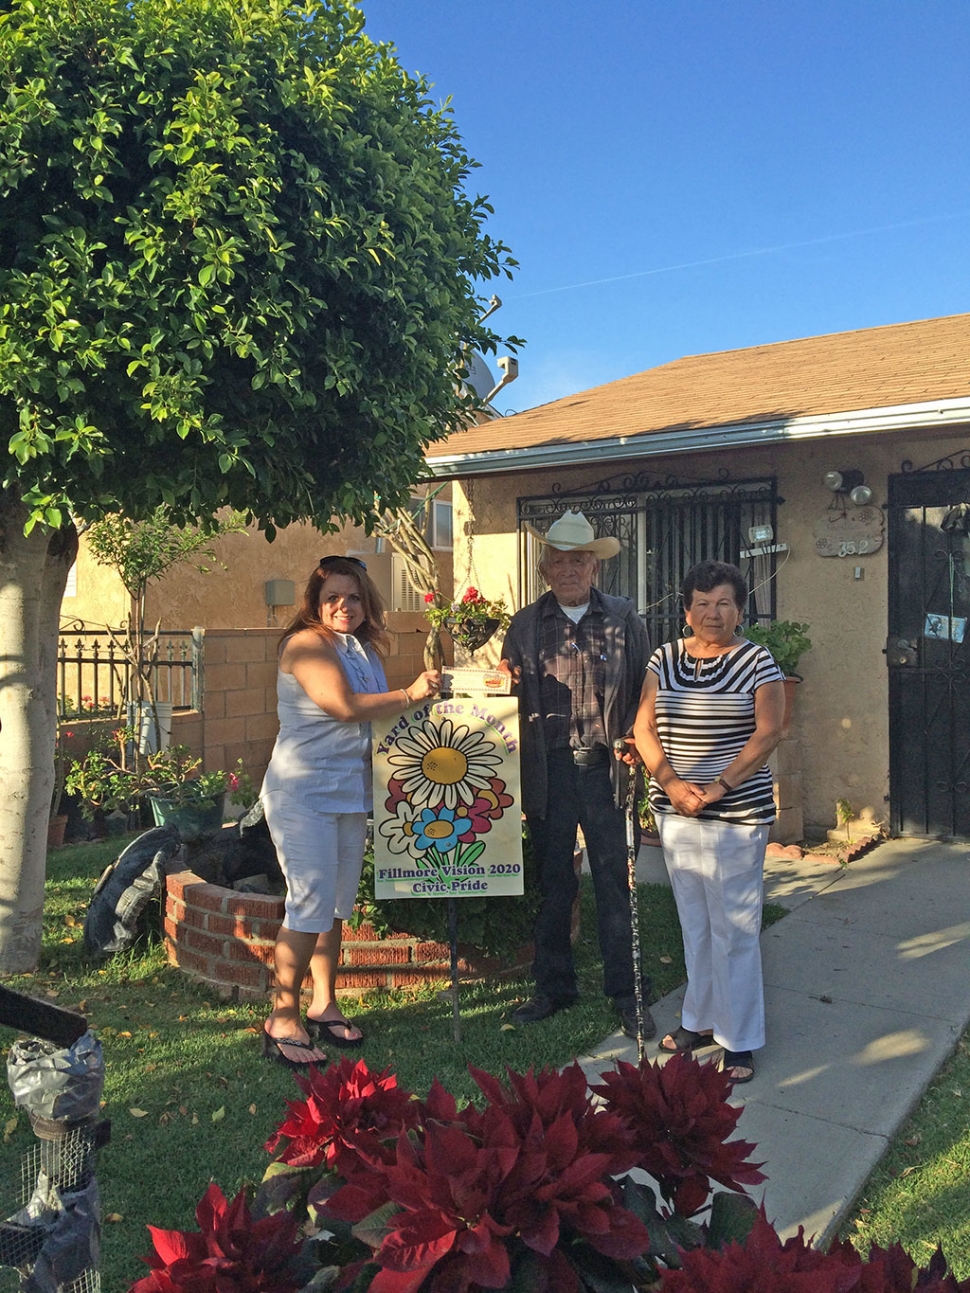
x=472, y=634
x=471, y=621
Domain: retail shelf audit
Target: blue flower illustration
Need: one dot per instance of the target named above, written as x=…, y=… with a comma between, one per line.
x=436, y=829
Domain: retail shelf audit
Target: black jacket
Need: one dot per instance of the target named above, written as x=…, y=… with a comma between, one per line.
x=627, y=652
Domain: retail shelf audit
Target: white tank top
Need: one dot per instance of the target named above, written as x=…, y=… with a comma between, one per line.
x=318, y=760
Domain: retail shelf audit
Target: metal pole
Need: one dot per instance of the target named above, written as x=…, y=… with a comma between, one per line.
x=620, y=747
x=453, y=939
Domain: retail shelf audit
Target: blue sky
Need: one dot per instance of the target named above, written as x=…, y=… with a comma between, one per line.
x=683, y=176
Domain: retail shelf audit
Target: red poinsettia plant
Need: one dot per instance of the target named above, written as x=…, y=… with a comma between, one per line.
x=231, y=1251
x=529, y=1190
x=764, y=1264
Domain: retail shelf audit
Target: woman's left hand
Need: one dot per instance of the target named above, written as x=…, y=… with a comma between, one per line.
x=714, y=793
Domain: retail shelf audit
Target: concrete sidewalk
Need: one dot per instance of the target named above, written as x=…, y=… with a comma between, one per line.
x=867, y=986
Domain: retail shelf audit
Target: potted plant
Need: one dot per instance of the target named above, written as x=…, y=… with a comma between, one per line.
x=57, y=822
x=470, y=621
x=101, y=781
x=787, y=640
x=171, y=782
x=179, y=792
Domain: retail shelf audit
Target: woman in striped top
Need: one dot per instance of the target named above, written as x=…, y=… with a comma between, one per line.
x=710, y=714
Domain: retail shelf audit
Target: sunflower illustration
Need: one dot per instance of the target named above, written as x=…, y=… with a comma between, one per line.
x=444, y=765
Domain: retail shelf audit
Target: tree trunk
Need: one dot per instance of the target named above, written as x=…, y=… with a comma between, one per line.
x=33, y=573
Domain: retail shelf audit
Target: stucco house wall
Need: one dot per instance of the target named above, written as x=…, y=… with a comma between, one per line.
x=842, y=708
x=231, y=593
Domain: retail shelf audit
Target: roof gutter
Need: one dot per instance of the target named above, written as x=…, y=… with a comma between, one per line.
x=740, y=435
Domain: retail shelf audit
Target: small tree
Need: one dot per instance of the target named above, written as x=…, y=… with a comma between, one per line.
x=238, y=268
x=140, y=552
x=404, y=530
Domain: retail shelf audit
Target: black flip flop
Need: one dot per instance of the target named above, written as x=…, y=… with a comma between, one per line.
x=738, y=1060
x=685, y=1039
x=323, y=1030
x=272, y=1051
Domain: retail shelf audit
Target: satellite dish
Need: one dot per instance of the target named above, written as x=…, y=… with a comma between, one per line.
x=479, y=376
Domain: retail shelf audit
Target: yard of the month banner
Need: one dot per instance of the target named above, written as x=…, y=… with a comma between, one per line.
x=447, y=822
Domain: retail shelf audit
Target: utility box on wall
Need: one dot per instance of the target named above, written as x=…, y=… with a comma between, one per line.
x=280, y=592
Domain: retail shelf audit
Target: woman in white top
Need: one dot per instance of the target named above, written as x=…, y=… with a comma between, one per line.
x=317, y=793
x=711, y=713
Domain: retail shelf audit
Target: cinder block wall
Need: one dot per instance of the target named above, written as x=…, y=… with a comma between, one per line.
x=238, y=715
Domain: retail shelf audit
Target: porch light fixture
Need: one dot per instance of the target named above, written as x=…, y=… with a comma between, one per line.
x=759, y=538
x=849, y=482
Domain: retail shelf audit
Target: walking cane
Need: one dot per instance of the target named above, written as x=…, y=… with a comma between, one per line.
x=620, y=747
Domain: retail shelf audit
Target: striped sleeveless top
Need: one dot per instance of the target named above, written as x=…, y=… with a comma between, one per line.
x=705, y=714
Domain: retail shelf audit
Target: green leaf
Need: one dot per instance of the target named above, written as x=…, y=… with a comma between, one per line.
x=732, y=1216
x=375, y=1228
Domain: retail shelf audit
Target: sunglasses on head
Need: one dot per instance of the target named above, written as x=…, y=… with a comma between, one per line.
x=324, y=562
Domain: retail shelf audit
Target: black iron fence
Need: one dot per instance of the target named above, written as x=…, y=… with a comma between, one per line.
x=95, y=671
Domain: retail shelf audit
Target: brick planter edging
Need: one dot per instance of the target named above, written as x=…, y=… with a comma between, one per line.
x=225, y=939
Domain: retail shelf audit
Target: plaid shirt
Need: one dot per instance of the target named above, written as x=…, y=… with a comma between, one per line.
x=572, y=673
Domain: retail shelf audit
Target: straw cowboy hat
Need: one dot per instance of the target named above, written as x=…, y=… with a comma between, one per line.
x=572, y=532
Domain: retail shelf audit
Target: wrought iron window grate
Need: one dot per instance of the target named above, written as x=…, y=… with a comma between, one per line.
x=664, y=528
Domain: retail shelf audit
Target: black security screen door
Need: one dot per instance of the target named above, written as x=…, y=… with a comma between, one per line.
x=928, y=651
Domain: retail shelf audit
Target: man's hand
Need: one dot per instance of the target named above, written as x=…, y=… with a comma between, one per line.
x=515, y=674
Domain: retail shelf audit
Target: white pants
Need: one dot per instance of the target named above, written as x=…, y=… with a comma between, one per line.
x=321, y=855
x=715, y=872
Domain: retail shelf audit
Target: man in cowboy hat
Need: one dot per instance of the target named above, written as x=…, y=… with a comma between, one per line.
x=579, y=659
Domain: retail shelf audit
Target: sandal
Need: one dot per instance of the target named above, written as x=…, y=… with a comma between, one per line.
x=323, y=1030
x=273, y=1050
x=738, y=1060
x=685, y=1039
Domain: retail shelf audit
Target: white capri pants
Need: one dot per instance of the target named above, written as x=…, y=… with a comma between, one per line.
x=321, y=855
x=716, y=873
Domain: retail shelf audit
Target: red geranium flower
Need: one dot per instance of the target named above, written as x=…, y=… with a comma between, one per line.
x=472, y=595
x=232, y=1252
x=679, y=1119
x=350, y=1117
x=429, y=597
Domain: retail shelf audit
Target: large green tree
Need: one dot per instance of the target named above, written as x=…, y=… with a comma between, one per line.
x=238, y=267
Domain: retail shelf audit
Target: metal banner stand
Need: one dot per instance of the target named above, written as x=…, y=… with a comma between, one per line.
x=462, y=683
x=453, y=940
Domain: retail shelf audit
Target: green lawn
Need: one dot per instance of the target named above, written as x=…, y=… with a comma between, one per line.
x=919, y=1195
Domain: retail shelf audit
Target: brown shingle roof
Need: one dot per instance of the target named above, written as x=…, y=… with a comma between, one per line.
x=906, y=363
